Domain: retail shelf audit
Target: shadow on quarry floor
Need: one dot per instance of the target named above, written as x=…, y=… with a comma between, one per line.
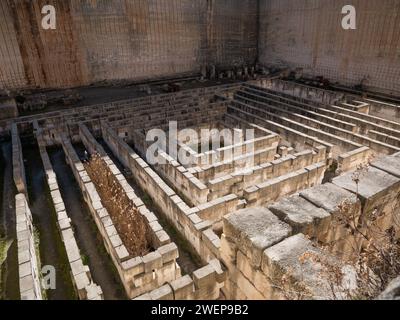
x=9, y=284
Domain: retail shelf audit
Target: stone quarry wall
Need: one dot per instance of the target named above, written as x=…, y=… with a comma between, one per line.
x=136, y=39
x=138, y=274
x=122, y=39
x=29, y=273
x=308, y=34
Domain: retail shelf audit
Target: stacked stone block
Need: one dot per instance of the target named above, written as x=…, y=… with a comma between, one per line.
x=28, y=258
x=204, y=284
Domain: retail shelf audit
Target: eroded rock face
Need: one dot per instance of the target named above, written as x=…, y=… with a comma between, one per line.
x=99, y=40
x=308, y=270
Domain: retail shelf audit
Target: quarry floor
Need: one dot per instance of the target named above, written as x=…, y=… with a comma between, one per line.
x=9, y=287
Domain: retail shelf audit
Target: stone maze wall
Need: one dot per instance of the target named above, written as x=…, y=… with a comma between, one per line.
x=186, y=219
x=261, y=244
x=204, y=284
x=80, y=273
x=138, y=274
x=249, y=222
x=18, y=162
x=206, y=281
x=28, y=256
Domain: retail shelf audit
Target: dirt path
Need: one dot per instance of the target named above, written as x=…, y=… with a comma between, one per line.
x=52, y=250
x=9, y=273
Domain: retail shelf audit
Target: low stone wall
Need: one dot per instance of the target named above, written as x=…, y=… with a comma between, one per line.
x=215, y=210
x=315, y=212
x=238, y=181
x=297, y=138
x=267, y=260
x=28, y=260
x=229, y=152
x=385, y=138
x=306, y=92
x=378, y=190
x=138, y=274
x=350, y=160
x=261, y=246
x=80, y=273
x=204, y=284
x=355, y=105
x=185, y=219
x=271, y=190
x=160, y=236
x=182, y=179
x=221, y=169
x=161, y=109
x=18, y=162
x=384, y=110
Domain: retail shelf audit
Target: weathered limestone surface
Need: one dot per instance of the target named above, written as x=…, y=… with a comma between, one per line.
x=373, y=184
x=302, y=215
x=258, y=250
x=297, y=258
x=204, y=284
x=28, y=258
x=329, y=197
x=388, y=164
x=378, y=192
x=80, y=273
x=185, y=219
x=138, y=274
x=322, y=49
x=97, y=40
x=253, y=230
x=271, y=190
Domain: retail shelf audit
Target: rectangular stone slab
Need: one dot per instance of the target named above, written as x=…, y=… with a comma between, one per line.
x=302, y=215
x=329, y=196
x=390, y=165
x=375, y=181
x=300, y=260
x=253, y=230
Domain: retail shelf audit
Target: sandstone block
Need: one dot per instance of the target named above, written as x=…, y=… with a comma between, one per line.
x=253, y=230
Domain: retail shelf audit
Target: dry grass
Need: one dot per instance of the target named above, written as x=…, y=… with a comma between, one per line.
x=130, y=224
x=378, y=262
